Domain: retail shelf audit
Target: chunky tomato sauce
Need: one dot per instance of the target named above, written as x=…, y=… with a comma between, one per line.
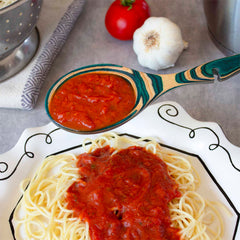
x=124, y=196
x=92, y=101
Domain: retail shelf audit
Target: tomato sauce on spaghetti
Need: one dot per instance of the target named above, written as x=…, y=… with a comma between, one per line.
x=124, y=195
x=92, y=101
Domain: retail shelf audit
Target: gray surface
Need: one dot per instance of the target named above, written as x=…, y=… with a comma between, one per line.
x=90, y=43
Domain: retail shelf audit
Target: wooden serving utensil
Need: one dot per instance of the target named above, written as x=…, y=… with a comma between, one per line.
x=148, y=87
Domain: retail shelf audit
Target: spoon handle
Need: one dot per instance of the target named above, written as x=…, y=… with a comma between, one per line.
x=224, y=68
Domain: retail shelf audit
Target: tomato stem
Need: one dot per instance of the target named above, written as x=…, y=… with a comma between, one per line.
x=127, y=3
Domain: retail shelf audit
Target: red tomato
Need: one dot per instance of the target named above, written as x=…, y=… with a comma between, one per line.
x=125, y=16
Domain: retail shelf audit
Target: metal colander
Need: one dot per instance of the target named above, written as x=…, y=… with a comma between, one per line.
x=17, y=26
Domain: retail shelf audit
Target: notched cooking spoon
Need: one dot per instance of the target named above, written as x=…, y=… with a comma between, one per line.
x=148, y=87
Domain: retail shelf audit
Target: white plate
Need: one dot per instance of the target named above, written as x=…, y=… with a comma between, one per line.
x=215, y=158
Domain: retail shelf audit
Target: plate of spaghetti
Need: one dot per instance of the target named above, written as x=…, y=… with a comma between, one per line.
x=162, y=175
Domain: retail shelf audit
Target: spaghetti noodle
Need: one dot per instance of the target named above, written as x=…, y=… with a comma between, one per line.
x=5, y=3
x=43, y=212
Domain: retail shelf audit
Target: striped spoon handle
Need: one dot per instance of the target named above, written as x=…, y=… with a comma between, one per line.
x=224, y=68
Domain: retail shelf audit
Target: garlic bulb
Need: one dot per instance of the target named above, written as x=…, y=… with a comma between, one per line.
x=158, y=43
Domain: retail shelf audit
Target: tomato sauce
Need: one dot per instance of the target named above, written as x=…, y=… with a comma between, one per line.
x=92, y=101
x=124, y=195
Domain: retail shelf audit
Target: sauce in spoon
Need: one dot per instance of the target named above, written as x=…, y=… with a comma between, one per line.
x=92, y=101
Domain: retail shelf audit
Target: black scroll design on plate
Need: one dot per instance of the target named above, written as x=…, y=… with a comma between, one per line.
x=4, y=166
x=173, y=112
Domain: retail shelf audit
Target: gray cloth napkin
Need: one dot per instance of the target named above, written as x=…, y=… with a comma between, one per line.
x=56, y=20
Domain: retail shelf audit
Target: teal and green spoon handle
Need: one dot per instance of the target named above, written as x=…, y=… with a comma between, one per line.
x=148, y=87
